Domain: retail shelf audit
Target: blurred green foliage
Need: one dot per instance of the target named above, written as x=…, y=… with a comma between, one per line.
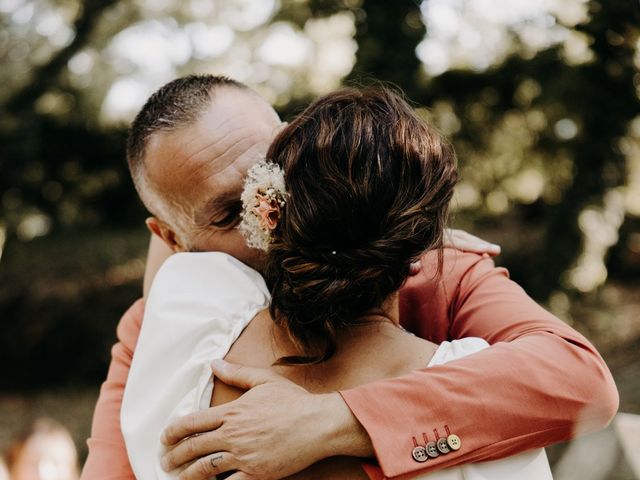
x=548, y=142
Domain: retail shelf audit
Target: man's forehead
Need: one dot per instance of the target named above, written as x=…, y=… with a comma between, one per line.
x=233, y=133
x=218, y=131
x=233, y=109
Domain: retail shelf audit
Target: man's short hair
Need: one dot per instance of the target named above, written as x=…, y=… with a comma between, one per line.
x=176, y=105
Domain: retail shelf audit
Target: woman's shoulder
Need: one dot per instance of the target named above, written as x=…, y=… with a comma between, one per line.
x=214, y=276
x=197, y=295
x=217, y=267
x=197, y=307
x=455, y=349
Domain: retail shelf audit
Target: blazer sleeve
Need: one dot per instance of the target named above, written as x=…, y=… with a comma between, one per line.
x=107, y=458
x=540, y=382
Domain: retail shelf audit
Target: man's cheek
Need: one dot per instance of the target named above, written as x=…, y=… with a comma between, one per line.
x=250, y=256
x=232, y=243
x=211, y=241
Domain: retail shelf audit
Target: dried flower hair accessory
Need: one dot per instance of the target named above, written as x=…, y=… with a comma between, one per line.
x=263, y=199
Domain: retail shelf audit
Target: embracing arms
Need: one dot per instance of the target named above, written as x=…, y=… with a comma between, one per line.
x=541, y=382
x=535, y=358
x=107, y=453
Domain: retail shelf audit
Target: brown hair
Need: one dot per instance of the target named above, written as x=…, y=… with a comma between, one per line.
x=369, y=186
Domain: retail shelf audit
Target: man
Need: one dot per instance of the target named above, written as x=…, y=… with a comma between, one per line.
x=540, y=382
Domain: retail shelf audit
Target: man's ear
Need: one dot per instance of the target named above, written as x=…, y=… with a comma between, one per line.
x=166, y=233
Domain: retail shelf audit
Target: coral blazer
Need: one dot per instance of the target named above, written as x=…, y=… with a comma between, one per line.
x=541, y=382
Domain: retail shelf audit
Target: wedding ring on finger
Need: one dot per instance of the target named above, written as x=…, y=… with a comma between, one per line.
x=213, y=464
x=214, y=459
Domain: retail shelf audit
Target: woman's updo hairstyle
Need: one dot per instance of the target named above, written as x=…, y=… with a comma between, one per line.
x=369, y=184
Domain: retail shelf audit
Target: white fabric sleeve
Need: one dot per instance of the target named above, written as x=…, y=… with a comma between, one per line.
x=198, y=305
x=448, y=351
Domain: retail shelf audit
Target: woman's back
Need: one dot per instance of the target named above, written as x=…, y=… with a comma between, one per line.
x=186, y=326
x=365, y=353
x=377, y=351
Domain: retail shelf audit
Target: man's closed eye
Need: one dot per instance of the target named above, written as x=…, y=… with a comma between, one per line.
x=229, y=220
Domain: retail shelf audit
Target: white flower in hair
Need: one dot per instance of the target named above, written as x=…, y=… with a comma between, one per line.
x=263, y=198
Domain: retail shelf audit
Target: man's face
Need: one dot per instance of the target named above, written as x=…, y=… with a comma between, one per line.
x=202, y=168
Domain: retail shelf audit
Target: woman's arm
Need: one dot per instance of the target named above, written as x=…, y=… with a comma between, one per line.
x=158, y=253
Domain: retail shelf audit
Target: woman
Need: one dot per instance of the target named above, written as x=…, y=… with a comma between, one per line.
x=357, y=187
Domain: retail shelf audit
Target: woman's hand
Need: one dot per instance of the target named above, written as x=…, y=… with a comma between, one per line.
x=274, y=430
x=461, y=240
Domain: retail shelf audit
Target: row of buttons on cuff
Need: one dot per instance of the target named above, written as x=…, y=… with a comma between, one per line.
x=434, y=449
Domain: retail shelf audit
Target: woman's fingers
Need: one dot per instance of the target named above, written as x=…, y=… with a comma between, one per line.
x=469, y=243
x=415, y=267
x=463, y=241
x=209, y=466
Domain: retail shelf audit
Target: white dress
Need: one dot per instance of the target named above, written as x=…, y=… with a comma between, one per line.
x=197, y=307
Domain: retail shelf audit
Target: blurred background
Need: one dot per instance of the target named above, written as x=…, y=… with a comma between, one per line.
x=540, y=98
